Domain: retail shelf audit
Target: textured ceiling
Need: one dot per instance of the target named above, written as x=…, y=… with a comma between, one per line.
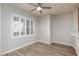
x=57, y=8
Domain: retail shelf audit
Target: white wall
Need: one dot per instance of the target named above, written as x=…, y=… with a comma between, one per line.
x=75, y=24
x=75, y=30
x=61, y=28
x=0, y=28
x=56, y=28
x=75, y=21
x=44, y=29
x=7, y=42
x=51, y=28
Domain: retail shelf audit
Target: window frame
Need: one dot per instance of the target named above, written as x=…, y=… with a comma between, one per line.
x=25, y=19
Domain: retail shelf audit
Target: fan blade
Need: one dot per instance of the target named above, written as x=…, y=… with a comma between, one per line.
x=46, y=7
x=33, y=4
x=33, y=9
x=39, y=4
x=41, y=11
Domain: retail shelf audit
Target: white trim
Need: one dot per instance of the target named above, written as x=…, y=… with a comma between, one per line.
x=68, y=45
x=25, y=18
x=35, y=42
x=44, y=42
x=76, y=35
x=17, y=48
x=62, y=43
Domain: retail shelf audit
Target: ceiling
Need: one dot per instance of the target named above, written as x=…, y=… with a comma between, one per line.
x=57, y=8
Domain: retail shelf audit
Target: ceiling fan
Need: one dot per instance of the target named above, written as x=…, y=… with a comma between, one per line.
x=39, y=7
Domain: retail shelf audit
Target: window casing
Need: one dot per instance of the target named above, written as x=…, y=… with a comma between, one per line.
x=22, y=26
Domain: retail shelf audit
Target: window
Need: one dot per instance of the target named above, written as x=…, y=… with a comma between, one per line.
x=31, y=26
x=16, y=26
x=27, y=27
x=22, y=26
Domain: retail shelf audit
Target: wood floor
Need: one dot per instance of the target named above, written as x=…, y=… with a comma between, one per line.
x=41, y=49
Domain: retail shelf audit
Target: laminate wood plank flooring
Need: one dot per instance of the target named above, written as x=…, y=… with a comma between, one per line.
x=41, y=49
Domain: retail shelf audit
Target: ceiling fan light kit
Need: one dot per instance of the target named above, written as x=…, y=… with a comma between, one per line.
x=39, y=7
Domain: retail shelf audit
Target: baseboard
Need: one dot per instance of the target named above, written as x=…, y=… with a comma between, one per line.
x=17, y=48
x=35, y=42
x=68, y=45
x=62, y=43
x=44, y=42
